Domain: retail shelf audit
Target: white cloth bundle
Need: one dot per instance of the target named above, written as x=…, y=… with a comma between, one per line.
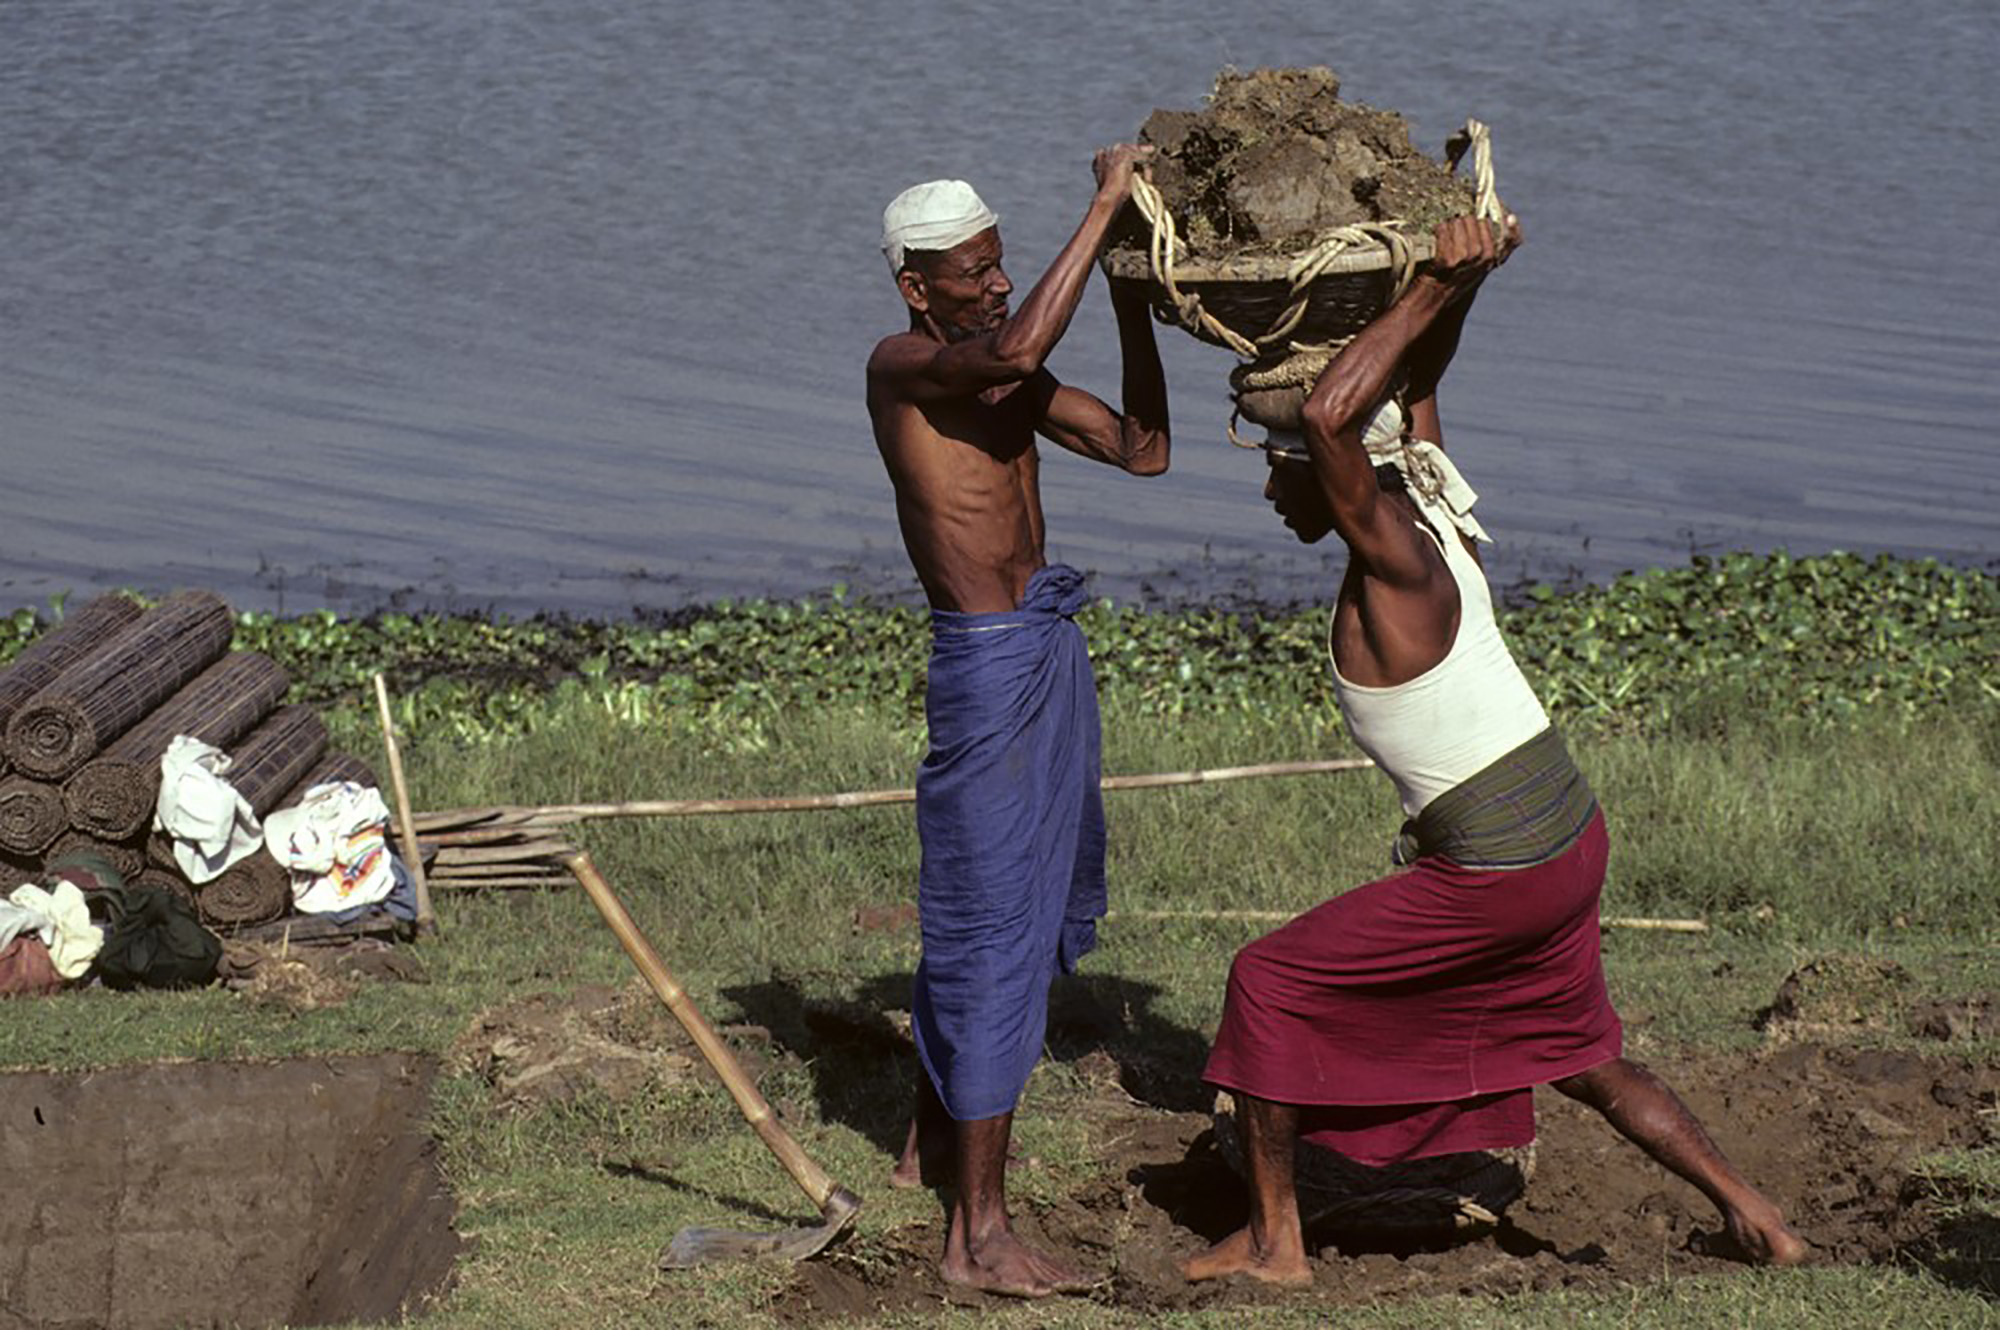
x=1435, y=485
x=61, y=919
x=212, y=825
x=335, y=843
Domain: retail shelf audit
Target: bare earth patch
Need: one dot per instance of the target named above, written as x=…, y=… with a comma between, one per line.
x=1831, y=1133
x=303, y=1192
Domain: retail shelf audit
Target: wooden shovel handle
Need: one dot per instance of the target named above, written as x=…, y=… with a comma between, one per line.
x=812, y=1179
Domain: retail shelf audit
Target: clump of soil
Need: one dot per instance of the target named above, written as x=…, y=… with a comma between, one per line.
x=1835, y=994
x=1276, y=158
x=548, y=1049
x=308, y=978
x=1965, y=1019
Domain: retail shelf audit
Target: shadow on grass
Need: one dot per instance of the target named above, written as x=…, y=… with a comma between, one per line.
x=1202, y=1194
x=1964, y=1252
x=648, y=1173
x=865, y=1069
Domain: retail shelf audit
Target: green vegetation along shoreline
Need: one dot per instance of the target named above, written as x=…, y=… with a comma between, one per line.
x=1690, y=649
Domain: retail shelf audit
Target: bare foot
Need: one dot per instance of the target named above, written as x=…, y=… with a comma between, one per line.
x=1764, y=1238
x=1006, y=1265
x=928, y=1155
x=1238, y=1254
x=921, y=1168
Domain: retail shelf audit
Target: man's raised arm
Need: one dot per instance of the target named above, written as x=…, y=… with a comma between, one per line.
x=1354, y=385
x=1136, y=440
x=960, y=359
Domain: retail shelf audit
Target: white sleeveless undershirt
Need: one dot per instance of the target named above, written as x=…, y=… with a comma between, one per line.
x=1458, y=717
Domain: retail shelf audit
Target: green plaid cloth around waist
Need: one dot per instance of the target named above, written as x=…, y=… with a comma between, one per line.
x=1524, y=808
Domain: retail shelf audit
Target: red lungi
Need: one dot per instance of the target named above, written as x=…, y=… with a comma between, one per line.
x=1413, y=1016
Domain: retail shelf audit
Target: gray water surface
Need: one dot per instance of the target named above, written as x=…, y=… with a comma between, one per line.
x=510, y=303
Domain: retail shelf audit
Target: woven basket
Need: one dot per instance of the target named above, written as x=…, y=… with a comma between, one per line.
x=1444, y=1193
x=1251, y=292
x=90, y=704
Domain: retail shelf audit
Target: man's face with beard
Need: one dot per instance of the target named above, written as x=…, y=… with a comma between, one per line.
x=964, y=290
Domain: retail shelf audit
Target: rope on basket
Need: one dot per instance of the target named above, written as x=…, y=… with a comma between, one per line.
x=1306, y=360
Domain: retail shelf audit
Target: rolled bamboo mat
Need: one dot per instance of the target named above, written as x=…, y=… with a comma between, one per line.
x=29, y=821
x=62, y=646
x=18, y=868
x=330, y=768
x=249, y=891
x=127, y=856
x=90, y=704
x=166, y=879
x=266, y=763
x=113, y=795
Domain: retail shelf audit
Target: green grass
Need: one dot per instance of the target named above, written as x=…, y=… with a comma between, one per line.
x=1797, y=831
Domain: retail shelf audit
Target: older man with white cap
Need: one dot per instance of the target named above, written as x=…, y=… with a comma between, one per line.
x=1012, y=880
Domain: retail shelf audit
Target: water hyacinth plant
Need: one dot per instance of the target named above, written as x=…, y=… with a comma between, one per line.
x=1816, y=639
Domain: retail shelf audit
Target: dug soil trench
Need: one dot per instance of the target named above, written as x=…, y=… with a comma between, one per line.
x=221, y=1193
x=1832, y=1133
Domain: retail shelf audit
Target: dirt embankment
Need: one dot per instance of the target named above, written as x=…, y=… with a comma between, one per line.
x=304, y=1192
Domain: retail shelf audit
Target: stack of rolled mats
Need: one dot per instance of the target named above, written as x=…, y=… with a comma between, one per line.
x=88, y=710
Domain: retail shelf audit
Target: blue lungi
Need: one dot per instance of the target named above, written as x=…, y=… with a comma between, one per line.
x=1012, y=826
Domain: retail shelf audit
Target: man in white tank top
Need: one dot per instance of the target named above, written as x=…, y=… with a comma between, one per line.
x=1476, y=971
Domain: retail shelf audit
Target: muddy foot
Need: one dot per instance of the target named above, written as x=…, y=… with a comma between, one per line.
x=1764, y=1238
x=1237, y=1254
x=1006, y=1265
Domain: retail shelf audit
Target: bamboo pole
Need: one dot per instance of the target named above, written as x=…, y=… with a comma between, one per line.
x=505, y=868
x=543, y=817
x=499, y=854
x=1655, y=925
x=485, y=835
x=499, y=883
x=812, y=1179
x=1161, y=779
x=426, y=918
x=460, y=818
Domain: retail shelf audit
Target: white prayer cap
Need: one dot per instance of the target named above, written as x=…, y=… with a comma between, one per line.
x=936, y=215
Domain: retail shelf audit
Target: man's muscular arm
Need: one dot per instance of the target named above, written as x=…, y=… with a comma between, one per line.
x=1137, y=441
x=921, y=370
x=1358, y=379
x=1433, y=352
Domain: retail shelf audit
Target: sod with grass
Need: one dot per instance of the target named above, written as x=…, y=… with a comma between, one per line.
x=1803, y=752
